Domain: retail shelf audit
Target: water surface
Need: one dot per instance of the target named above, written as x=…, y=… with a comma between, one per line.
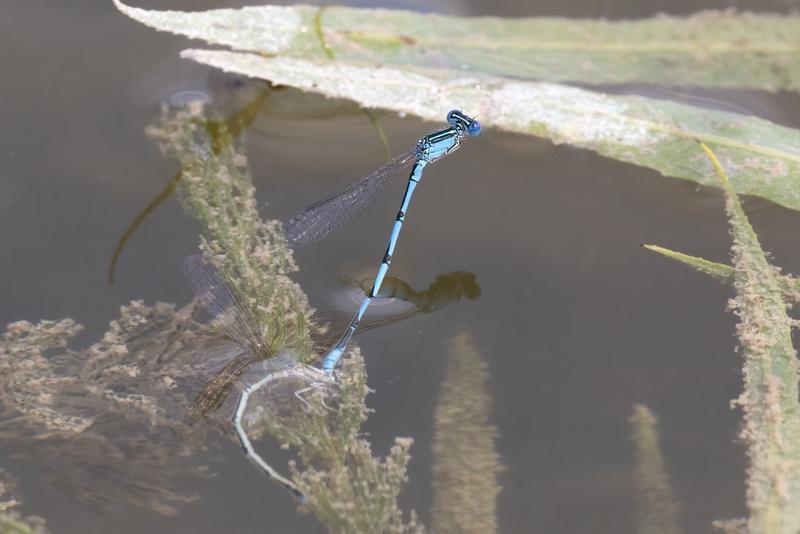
x=576, y=321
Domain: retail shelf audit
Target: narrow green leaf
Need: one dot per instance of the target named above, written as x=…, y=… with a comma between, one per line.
x=770, y=397
x=717, y=270
x=711, y=48
x=790, y=285
x=764, y=158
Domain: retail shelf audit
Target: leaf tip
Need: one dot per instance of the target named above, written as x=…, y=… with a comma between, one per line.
x=122, y=7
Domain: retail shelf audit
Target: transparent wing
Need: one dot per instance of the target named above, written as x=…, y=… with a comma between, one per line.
x=325, y=216
x=331, y=324
x=221, y=303
x=208, y=357
x=219, y=386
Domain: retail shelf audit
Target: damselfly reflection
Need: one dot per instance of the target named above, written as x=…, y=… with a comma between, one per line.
x=445, y=289
x=285, y=389
x=233, y=319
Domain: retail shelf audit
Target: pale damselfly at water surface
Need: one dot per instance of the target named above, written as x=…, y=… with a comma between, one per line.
x=231, y=317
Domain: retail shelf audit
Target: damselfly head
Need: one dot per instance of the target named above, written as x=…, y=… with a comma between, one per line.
x=463, y=122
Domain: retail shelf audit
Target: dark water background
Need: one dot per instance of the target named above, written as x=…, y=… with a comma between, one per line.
x=576, y=321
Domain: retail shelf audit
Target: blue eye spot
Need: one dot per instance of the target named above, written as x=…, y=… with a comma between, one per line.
x=474, y=127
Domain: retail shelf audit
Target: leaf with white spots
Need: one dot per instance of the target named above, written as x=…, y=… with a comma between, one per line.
x=383, y=59
x=709, y=49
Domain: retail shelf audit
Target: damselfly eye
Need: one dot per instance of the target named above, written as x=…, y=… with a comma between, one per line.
x=474, y=127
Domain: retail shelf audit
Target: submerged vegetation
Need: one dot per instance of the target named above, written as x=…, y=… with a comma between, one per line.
x=250, y=253
x=10, y=520
x=346, y=487
x=113, y=409
x=116, y=411
x=466, y=467
x=656, y=505
x=338, y=473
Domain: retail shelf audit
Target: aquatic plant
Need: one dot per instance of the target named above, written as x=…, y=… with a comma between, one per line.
x=240, y=119
x=657, y=508
x=247, y=251
x=656, y=505
x=113, y=415
x=466, y=462
x=346, y=488
x=770, y=398
x=10, y=520
x=111, y=412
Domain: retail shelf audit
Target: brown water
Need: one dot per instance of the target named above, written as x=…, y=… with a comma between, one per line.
x=576, y=321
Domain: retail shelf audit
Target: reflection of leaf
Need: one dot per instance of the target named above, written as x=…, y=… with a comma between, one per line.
x=652, y=133
x=137, y=221
x=770, y=397
x=722, y=49
x=656, y=504
x=466, y=462
x=236, y=123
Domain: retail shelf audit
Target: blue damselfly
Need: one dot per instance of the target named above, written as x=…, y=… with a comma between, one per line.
x=323, y=217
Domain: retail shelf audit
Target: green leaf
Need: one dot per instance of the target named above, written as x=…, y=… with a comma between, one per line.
x=763, y=158
x=717, y=270
x=770, y=397
x=790, y=285
x=711, y=48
